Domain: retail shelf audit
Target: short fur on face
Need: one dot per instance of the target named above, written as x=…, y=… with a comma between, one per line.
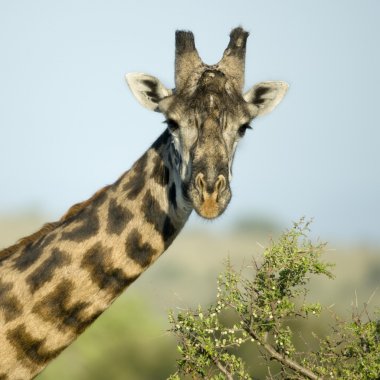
x=207, y=114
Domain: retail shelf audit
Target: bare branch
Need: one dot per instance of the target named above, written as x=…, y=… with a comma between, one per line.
x=222, y=368
x=273, y=354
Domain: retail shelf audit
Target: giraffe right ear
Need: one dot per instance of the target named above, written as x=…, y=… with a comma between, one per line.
x=148, y=90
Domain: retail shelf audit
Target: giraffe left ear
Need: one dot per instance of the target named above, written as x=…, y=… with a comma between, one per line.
x=266, y=95
x=148, y=90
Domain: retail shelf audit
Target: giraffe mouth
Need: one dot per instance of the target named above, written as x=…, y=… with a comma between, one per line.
x=209, y=208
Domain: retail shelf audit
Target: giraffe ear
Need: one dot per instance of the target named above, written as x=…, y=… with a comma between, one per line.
x=266, y=95
x=148, y=90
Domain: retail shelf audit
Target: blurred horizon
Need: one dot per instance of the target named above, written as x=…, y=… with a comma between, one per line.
x=17, y=224
x=69, y=124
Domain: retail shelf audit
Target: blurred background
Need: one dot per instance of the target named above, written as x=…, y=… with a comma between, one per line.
x=69, y=125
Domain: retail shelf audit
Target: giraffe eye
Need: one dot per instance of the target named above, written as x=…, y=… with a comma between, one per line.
x=172, y=125
x=243, y=128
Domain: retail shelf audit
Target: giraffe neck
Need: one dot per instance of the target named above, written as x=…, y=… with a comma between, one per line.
x=51, y=289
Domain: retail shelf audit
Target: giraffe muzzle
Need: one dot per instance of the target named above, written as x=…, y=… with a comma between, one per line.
x=212, y=195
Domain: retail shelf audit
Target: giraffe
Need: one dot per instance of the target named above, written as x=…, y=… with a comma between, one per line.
x=57, y=281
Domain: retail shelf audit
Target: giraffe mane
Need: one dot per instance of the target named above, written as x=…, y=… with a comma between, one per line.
x=48, y=227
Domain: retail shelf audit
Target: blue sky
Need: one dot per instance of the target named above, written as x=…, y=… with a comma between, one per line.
x=69, y=124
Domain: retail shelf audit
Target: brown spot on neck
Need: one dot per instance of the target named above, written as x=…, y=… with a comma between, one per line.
x=160, y=219
x=10, y=306
x=59, y=309
x=138, y=250
x=45, y=271
x=30, y=348
x=98, y=262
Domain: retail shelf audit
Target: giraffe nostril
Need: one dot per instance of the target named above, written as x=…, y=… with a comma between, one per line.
x=220, y=184
x=210, y=187
x=200, y=183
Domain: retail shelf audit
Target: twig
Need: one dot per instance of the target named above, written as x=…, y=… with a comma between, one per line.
x=273, y=354
x=222, y=368
x=215, y=360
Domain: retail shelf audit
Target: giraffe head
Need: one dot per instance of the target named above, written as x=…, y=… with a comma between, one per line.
x=207, y=114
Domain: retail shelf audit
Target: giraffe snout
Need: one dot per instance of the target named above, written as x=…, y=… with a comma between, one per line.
x=210, y=193
x=210, y=187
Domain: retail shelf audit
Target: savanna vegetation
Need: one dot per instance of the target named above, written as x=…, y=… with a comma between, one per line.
x=262, y=309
